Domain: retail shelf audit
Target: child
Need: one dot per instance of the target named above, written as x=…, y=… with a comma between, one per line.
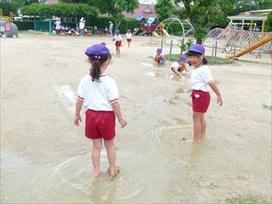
x=98, y=93
x=201, y=80
x=129, y=37
x=118, y=42
x=179, y=66
x=158, y=58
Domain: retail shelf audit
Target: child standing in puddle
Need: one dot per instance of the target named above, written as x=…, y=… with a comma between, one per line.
x=201, y=81
x=98, y=93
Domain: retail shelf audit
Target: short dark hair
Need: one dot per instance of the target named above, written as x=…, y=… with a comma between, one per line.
x=191, y=53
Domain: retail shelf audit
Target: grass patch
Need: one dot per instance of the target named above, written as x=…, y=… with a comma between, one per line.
x=211, y=60
x=269, y=107
x=246, y=200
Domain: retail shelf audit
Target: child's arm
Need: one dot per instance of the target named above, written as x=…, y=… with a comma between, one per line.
x=217, y=92
x=117, y=111
x=77, y=112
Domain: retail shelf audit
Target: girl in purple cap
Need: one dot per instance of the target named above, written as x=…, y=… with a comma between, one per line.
x=201, y=81
x=158, y=58
x=98, y=93
x=118, y=42
x=179, y=66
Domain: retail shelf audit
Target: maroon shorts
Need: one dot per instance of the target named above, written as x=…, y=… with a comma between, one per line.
x=200, y=101
x=118, y=43
x=100, y=124
x=129, y=39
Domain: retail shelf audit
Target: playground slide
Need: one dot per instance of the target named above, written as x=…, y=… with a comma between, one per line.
x=155, y=34
x=253, y=47
x=165, y=32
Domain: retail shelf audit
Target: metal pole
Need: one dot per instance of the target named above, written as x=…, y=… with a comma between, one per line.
x=162, y=43
x=212, y=49
x=171, y=46
x=215, y=49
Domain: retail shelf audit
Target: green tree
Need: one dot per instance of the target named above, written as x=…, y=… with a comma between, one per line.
x=203, y=14
x=115, y=8
x=269, y=23
x=60, y=9
x=164, y=9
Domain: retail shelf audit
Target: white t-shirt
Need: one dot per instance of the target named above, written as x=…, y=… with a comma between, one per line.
x=175, y=65
x=118, y=38
x=58, y=24
x=98, y=95
x=81, y=25
x=129, y=35
x=201, y=78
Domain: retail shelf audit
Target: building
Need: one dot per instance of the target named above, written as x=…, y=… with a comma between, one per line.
x=144, y=11
x=251, y=20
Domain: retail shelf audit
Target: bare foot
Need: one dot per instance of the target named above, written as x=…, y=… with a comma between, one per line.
x=115, y=172
x=97, y=174
x=192, y=141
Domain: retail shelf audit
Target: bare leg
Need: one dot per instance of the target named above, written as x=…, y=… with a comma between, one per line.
x=203, y=130
x=97, y=146
x=109, y=144
x=197, y=118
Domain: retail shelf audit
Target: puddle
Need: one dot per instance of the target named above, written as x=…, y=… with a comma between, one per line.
x=67, y=96
x=147, y=64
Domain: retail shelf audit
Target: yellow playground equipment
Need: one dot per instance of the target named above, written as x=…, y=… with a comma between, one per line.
x=6, y=18
x=165, y=32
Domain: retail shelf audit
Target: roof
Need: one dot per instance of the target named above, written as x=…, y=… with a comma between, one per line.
x=257, y=15
x=145, y=10
x=248, y=17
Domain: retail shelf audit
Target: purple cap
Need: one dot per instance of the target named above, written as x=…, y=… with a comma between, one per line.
x=97, y=49
x=117, y=32
x=159, y=51
x=183, y=58
x=197, y=48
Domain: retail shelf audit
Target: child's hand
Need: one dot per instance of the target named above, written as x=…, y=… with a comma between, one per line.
x=219, y=101
x=123, y=122
x=77, y=120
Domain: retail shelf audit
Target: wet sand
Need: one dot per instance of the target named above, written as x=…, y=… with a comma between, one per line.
x=46, y=159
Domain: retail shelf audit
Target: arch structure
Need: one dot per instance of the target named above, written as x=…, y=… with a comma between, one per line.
x=235, y=40
x=167, y=29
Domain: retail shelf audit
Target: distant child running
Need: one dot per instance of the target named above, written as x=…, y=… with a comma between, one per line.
x=158, y=58
x=98, y=93
x=118, y=42
x=129, y=37
x=201, y=80
x=179, y=66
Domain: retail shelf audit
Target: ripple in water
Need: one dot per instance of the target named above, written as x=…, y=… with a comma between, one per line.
x=73, y=181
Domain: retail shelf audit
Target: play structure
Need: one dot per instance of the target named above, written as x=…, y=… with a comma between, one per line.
x=244, y=34
x=7, y=28
x=171, y=29
x=236, y=42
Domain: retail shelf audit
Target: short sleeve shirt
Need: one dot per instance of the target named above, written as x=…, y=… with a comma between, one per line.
x=129, y=35
x=118, y=38
x=175, y=65
x=98, y=95
x=201, y=78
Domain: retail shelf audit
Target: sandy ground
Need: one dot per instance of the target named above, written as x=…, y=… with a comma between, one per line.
x=46, y=159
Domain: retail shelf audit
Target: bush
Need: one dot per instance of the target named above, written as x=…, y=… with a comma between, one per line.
x=24, y=25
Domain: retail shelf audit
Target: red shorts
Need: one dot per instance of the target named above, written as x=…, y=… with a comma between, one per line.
x=200, y=101
x=118, y=43
x=129, y=39
x=100, y=124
